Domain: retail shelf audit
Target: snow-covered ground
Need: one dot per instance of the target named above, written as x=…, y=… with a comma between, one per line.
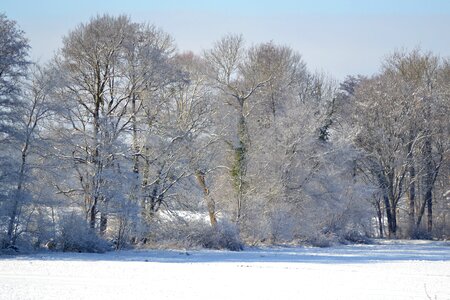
x=391, y=270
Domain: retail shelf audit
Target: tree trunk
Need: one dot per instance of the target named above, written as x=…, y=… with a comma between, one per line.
x=387, y=205
x=145, y=182
x=421, y=213
x=16, y=201
x=239, y=170
x=154, y=197
x=93, y=213
x=95, y=193
x=429, y=182
x=103, y=222
x=430, y=212
x=135, y=144
x=209, y=201
x=412, y=188
x=379, y=217
x=12, y=221
x=393, y=230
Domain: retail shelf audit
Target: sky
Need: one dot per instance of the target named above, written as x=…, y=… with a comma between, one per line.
x=339, y=38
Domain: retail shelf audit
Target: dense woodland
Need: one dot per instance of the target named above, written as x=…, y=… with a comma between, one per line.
x=120, y=140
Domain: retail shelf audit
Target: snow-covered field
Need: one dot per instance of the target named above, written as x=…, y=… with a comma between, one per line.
x=391, y=270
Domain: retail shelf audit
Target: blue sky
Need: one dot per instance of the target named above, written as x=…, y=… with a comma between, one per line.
x=339, y=37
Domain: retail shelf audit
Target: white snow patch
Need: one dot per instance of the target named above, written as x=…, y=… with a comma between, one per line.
x=392, y=270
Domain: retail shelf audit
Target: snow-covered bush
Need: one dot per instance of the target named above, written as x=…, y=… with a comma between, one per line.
x=194, y=233
x=320, y=240
x=76, y=236
x=33, y=229
x=223, y=236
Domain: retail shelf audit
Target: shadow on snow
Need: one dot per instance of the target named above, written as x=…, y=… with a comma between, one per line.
x=353, y=254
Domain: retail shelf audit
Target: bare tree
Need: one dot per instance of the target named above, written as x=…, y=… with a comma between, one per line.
x=15, y=131
x=95, y=96
x=400, y=112
x=418, y=74
x=35, y=110
x=236, y=72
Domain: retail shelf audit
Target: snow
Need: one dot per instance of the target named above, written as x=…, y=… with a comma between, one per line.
x=387, y=270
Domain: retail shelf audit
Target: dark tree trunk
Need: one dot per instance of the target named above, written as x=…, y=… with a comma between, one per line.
x=379, y=217
x=155, y=197
x=93, y=213
x=390, y=217
x=393, y=229
x=429, y=200
x=412, y=188
x=428, y=182
x=389, y=202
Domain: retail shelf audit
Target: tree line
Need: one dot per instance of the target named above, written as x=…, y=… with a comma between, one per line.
x=122, y=140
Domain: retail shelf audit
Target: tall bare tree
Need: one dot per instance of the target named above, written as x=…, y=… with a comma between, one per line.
x=237, y=72
x=400, y=111
x=94, y=95
x=14, y=130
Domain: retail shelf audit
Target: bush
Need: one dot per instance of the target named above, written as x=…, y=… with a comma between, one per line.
x=76, y=236
x=422, y=234
x=356, y=237
x=6, y=248
x=223, y=236
x=319, y=240
x=195, y=233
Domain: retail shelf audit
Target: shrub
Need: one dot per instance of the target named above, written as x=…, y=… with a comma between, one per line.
x=76, y=236
x=223, y=236
x=195, y=233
